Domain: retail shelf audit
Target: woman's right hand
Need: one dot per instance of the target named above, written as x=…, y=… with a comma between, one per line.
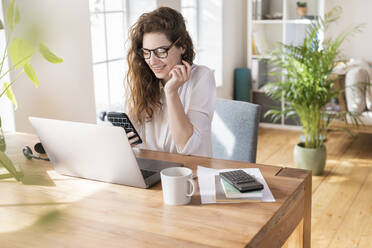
x=130, y=136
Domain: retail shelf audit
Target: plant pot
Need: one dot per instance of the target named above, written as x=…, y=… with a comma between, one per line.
x=313, y=159
x=301, y=11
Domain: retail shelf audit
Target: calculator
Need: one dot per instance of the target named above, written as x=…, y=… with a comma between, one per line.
x=121, y=119
x=241, y=180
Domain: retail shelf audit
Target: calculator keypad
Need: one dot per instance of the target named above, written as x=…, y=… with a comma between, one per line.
x=121, y=122
x=238, y=176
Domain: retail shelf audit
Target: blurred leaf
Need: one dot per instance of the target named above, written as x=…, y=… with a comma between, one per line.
x=8, y=164
x=17, y=17
x=29, y=70
x=48, y=55
x=275, y=114
x=20, y=52
x=2, y=144
x=290, y=114
x=9, y=93
x=272, y=112
x=2, y=140
x=10, y=15
x=13, y=17
x=1, y=24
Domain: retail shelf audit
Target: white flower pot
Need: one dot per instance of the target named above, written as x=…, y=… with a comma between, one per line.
x=313, y=159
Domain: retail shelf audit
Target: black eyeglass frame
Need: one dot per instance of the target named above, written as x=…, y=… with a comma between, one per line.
x=150, y=51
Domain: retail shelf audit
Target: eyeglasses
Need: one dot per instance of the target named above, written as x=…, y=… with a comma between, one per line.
x=160, y=52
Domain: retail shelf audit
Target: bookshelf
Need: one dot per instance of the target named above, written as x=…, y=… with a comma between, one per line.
x=269, y=23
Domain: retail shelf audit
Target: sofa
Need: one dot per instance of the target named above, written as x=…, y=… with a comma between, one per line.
x=357, y=98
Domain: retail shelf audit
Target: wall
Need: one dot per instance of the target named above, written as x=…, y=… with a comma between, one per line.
x=233, y=43
x=175, y=4
x=354, y=12
x=66, y=89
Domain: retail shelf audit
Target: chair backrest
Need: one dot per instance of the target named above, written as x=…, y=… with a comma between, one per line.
x=234, y=130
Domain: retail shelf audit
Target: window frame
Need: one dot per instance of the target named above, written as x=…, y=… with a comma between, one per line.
x=107, y=61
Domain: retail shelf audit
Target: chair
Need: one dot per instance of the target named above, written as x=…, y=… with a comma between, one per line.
x=234, y=130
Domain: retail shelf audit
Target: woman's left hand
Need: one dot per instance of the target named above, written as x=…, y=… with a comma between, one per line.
x=178, y=76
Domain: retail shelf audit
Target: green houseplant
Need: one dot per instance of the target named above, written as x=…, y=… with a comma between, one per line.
x=20, y=51
x=306, y=88
x=301, y=8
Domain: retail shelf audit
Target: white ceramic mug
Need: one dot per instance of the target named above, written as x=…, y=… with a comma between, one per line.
x=178, y=185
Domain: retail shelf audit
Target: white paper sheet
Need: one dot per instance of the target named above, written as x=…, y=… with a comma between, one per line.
x=206, y=178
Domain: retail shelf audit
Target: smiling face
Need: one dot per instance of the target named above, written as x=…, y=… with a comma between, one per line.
x=161, y=66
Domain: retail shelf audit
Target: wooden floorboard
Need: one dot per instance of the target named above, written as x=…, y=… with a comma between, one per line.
x=335, y=195
x=337, y=144
x=342, y=196
x=270, y=149
x=357, y=219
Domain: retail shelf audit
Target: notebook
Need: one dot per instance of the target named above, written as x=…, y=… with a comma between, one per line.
x=232, y=192
x=221, y=197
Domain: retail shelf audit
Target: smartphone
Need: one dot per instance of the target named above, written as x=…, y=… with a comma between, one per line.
x=121, y=119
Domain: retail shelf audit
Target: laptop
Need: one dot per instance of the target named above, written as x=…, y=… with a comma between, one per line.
x=96, y=152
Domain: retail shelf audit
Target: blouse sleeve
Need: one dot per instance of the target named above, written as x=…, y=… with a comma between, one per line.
x=200, y=114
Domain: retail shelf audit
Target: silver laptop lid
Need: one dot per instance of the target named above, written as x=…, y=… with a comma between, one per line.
x=89, y=151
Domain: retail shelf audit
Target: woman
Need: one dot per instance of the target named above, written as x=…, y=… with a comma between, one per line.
x=170, y=100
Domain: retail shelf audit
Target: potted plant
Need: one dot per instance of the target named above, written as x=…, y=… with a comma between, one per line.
x=306, y=88
x=301, y=8
x=20, y=51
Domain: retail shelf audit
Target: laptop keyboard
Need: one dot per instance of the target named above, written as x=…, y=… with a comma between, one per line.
x=147, y=173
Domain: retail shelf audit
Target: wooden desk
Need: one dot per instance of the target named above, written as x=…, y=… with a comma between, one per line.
x=50, y=210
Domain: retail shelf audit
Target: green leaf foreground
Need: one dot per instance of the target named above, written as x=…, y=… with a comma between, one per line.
x=10, y=94
x=20, y=52
x=10, y=15
x=13, y=17
x=29, y=70
x=2, y=144
x=8, y=164
x=48, y=55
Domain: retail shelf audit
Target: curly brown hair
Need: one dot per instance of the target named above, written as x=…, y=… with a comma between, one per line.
x=142, y=86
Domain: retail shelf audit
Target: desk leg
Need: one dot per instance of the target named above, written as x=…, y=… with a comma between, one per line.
x=307, y=176
x=296, y=240
x=307, y=213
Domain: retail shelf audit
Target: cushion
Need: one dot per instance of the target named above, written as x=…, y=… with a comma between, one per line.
x=354, y=91
x=366, y=118
x=363, y=64
x=369, y=93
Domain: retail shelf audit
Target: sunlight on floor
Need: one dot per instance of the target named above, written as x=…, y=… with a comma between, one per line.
x=338, y=179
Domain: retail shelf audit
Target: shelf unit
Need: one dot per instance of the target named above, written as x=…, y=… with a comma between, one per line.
x=290, y=29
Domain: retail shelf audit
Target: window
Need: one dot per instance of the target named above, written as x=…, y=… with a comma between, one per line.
x=204, y=23
x=110, y=21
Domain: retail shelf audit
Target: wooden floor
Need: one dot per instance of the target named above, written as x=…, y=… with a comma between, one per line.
x=342, y=196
